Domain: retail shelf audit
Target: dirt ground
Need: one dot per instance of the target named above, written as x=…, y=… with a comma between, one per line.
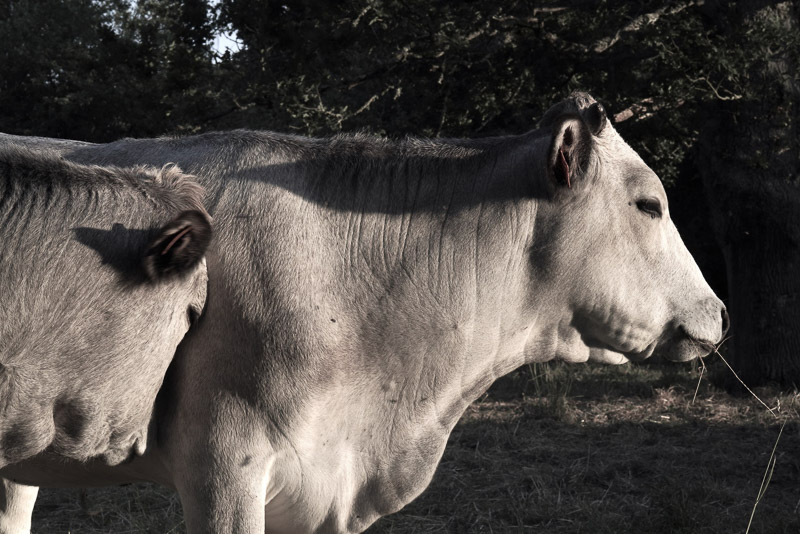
x=562, y=448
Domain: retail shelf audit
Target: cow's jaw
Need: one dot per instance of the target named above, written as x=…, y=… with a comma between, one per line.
x=599, y=343
x=613, y=329
x=615, y=338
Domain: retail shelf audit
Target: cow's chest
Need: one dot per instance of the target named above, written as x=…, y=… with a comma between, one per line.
x=353, y=470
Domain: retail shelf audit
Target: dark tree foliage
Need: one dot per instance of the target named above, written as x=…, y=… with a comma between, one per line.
x=49, y=54
x=698, y=87
x=478, y=68
x=102, y=69
x=175, y=38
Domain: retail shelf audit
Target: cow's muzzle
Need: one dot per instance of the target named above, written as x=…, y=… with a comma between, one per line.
x=726, y=322
x=700, y=334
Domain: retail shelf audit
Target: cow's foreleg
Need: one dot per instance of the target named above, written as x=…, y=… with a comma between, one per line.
x=222, y=499
x=220, y=471
x=16, y=507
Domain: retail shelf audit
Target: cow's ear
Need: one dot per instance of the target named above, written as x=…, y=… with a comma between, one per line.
x=570, y=146
x=179, y=246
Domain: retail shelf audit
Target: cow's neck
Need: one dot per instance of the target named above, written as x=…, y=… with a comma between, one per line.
x=431, y=266
x=425, y=304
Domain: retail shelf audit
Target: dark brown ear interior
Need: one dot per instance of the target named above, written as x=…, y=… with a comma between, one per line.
x=179, y=246
x=562, y=168
x=569, y=149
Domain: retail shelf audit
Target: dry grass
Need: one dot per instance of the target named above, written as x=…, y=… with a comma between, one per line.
x=563, y=449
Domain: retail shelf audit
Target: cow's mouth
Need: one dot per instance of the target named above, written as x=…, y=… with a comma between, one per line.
x=631, y=342
x=685, y=348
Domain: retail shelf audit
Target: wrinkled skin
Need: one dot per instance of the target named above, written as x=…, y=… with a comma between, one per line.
x=363, y=292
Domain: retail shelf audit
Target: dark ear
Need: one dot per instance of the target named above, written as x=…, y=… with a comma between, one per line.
x=569, y=150
x=179, y=246
x=595, y=117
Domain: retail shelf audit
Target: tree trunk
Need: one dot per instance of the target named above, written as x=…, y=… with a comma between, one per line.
x=756, y=219
x=749, y=159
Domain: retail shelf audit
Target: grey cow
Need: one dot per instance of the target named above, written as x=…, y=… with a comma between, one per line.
x=100, y=272
x=362, y=292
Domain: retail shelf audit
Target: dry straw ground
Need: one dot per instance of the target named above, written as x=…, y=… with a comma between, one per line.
x=562, y=449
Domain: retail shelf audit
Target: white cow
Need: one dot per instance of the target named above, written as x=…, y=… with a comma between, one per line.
x=101, y=273
x=362, y=292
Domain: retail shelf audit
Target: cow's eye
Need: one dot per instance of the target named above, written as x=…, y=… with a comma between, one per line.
x=650, y=206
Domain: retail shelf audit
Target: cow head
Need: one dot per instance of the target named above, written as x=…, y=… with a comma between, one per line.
x=632, y=287
x=99, y=283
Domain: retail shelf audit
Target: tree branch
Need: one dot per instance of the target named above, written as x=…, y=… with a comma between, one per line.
x=644, y=109
x=640, y=22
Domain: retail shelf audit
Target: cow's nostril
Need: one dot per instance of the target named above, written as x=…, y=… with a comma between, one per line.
x=726, y=322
